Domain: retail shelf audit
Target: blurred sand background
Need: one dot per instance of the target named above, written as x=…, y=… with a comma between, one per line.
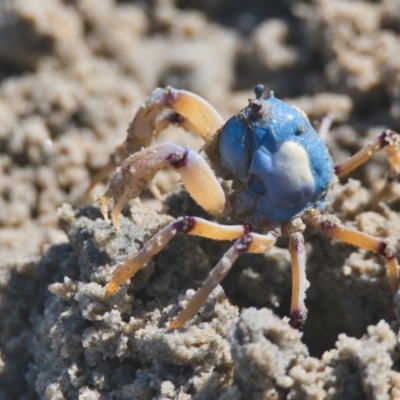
x=72, y=73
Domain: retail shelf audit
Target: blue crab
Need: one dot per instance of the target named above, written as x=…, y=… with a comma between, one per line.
x=280, y=170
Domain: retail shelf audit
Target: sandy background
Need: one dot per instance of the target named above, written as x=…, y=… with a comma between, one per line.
x=72, y=73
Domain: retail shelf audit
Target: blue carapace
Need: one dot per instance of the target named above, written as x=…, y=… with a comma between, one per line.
x=280, y=164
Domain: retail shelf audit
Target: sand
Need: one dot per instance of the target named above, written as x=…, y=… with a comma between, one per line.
x=72, y=74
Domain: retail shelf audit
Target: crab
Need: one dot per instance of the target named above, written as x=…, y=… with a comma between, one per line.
x=280, y=170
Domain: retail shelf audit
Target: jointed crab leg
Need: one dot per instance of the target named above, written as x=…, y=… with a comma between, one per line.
x=203, y=118
x=387, y=139
x=249, y=242
x=121, y=153
x=139, y=169
x=181, y=107
x=298, y=310
x=188, y=225
x=332, y=229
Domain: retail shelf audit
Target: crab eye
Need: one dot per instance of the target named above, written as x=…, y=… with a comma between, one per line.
x=256, y=107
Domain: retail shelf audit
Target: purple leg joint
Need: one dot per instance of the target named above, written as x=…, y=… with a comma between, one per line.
x=243, y=243
x=178, y=160
x=184, y=224
x=297, y=319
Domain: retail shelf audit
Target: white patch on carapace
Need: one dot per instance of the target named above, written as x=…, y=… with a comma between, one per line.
x=292, y=161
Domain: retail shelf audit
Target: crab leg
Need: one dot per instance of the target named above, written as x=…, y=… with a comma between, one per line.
x=140, y=168
x=198, y=115
x=330, y=228
x=249, y=242
x=121, y=153
x=186, y=225
x=183, y=108
x=298, y=310
x=387, y=139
